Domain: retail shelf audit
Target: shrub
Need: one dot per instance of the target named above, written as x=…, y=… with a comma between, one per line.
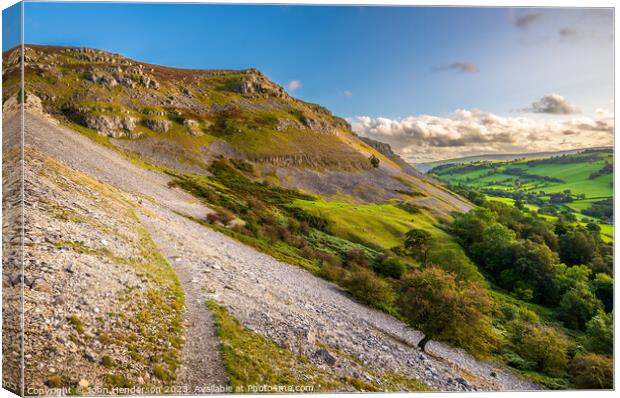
x=392, y=267
x=456, y=262
x=222, y=216
x=516, y=361
x=528, y=315
x=312, y=220
x=409, y=207
x=509, y=311
x=107, y=361
x=543, y=346
x=276, y=232
x=369, y=288
x=603, y=285
x=592, y=371
x=327, y=258
x=356, y=257
x=577, y=247
x=374, y=161
x=332, y=272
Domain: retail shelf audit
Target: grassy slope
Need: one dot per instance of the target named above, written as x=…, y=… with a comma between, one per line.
x=380, y=226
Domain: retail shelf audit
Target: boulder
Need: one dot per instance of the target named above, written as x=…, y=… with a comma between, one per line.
x=150, y=83
x=193, y=127
x=103, y=79
x=319, y=126
x=126, y=82
x=324, y=356
x=159, y=125
x=288, y=124
x=301, y=342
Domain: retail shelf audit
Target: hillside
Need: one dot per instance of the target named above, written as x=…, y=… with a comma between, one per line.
x=136, y=283
x=578, y=185
x=184, y=119
x=269, y=244
x=425, y=167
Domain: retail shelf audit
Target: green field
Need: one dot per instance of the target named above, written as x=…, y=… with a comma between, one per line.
x=568, y=184
x=574, y=174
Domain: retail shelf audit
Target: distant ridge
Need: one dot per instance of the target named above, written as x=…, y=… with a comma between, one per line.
x=425, y=167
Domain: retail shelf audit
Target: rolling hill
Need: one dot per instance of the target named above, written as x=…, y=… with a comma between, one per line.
x=579, y=184
x=425, y=167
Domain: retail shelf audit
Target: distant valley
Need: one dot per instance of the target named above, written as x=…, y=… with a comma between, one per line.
x=425, y=167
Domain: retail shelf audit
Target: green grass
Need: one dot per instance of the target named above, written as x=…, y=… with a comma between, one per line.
x=337, y=246
x=607, y=230
x=379, y=226
x=576, y=177
x=77, y=323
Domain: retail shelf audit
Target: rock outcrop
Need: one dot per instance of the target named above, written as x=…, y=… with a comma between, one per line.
x=256, y=83
x=193, y=127
x=113, y=125
x=158, y=125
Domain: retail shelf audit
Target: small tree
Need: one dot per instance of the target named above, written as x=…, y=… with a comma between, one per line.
x=603, y=286
x=544, y=347
x=432, y=301
x=578, y=305
x=577, y=247
x=592, y=371
x=600, y=331
x=418, y=241
x=374, y=161
x=519, y=204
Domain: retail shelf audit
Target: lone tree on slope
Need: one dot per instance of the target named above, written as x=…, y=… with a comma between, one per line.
x=374, y=161
x=443, y=309
x=418, y=241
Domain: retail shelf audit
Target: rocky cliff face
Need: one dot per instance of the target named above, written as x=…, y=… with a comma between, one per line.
x=75, y=83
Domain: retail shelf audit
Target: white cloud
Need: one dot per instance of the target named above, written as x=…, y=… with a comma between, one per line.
x=347, y=93
x=603, y=113
x=293, y=85
x=469, y=132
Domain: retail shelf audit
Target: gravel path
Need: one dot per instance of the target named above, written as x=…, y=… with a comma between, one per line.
x=282, y=302
x=202, y=369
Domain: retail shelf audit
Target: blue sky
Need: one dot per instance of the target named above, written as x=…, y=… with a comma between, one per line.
x=379, y=62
